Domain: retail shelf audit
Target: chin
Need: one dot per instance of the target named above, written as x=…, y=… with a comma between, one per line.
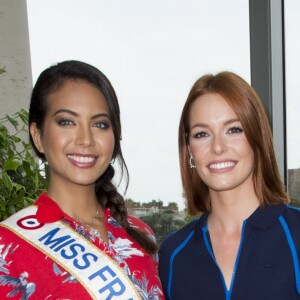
x=84, y=182
x=222, y=187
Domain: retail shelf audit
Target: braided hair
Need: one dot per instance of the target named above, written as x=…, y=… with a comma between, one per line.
x=51, y=80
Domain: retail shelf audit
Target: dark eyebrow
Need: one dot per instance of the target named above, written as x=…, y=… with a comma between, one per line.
x=75, y=114
x=100, y=116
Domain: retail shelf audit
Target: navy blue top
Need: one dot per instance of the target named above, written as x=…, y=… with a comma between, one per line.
x=266, y=268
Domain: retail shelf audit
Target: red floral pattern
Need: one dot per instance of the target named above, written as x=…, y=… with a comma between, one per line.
x=24, y=270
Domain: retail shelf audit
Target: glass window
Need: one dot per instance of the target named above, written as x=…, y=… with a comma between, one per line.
x=292, y=50
x=152, y=51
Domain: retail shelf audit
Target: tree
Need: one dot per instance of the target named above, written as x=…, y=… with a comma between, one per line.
x=153, y=203
x=131, y=204
x=295, y=202
x=163, y=223
x=22, y=177
x=172, y=206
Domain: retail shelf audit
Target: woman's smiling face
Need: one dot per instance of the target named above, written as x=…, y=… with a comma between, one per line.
x=223, y=157
x=77, y=137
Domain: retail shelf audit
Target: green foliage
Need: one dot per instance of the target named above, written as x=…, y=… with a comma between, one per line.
x=21, y=175
x=131, y=204
x=172, y=206
x=2, y=70
x=163, y=219
x=188, y=218
x=153, y=203
x=295, y=202
x=163, y=223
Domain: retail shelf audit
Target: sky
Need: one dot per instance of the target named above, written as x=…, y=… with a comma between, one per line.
x=152, y=52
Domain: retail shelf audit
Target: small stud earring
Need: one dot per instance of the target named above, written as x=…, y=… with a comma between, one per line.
x=192, y=165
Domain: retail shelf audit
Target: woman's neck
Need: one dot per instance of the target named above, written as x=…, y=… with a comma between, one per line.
x=231, y=208
x=75, y=200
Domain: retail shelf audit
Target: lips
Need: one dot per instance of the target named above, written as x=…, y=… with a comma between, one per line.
x=82, y=161
x=222, y=165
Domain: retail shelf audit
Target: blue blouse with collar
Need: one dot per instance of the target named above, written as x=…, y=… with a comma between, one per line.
x=266, y=268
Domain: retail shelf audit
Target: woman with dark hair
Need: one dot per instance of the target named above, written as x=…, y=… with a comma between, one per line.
x=245, y=244
x=77, y=241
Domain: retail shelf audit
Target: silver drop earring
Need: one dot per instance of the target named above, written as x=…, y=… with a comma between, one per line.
x=192, y=166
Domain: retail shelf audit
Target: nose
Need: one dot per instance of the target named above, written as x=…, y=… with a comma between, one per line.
x=218, y=146
x=84, y=136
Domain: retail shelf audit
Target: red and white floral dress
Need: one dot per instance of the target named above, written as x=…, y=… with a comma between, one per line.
x=28, y=273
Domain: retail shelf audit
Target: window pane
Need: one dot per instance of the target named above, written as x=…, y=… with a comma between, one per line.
x=152, y=51
x=292, y=49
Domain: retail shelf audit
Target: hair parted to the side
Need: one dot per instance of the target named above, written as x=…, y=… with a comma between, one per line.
x=51, y=80
x=242, y=98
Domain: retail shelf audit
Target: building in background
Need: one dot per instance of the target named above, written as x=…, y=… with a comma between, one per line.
x=16, y=81
x=294, y=186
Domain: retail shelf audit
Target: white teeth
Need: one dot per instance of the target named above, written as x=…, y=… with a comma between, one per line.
x=81, y=159
x=222, y=165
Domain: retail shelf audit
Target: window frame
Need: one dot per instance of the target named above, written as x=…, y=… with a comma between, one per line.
x=267, y=56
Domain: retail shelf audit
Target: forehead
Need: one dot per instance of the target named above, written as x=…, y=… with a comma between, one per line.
x=210, y=107
x=78, y=95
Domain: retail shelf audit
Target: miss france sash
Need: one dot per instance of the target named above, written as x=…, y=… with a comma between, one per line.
x=97, y=272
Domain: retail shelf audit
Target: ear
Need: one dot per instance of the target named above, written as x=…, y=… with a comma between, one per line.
x=36, y=137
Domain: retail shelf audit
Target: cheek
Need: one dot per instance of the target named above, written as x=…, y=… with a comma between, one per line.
x=251, y=157
x=108, y=144
x=52, y=139
x=244, y=148
x=198, y=150
x=111, y=145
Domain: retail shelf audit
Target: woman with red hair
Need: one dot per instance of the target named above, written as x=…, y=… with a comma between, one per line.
x=246, y=243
